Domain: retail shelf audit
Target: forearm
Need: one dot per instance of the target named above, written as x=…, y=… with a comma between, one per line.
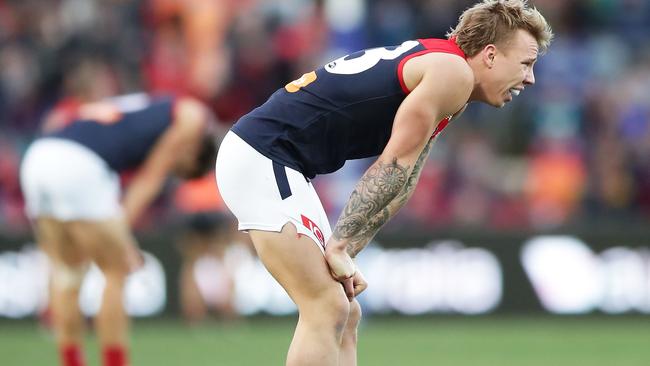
x=381, y=183
x=356, y=229
x=137, y=198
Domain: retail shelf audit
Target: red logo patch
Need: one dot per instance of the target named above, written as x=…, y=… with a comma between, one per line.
x=314, y=229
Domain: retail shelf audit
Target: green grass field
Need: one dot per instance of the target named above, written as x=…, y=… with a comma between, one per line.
x=458, y=341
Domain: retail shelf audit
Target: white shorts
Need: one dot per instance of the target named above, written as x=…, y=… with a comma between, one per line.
x=265, y=195
x=67, y=181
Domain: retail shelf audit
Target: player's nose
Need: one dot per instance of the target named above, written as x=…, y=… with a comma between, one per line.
x=530, y=78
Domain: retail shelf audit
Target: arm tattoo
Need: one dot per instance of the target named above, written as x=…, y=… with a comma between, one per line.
x=359, y=241
x=359, y=226
x=378, y=186
x=409, y=187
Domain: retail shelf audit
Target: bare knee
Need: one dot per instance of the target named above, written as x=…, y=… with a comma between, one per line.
x=67, y=277
x=114, y=263
x=354, y=318
x=328, y=311
x=339, y=309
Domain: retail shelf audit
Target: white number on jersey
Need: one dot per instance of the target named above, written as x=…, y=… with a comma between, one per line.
x=369, y=59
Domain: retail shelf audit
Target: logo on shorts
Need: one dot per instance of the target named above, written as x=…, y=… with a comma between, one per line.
x=314, y=229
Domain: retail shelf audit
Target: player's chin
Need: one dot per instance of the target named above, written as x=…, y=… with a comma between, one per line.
x=498, y=103
x=507, y=99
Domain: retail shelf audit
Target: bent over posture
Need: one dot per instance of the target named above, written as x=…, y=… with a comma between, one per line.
x=70, y=181
x=389, y=102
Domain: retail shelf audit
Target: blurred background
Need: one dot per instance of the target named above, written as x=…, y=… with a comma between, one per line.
x=542, y=207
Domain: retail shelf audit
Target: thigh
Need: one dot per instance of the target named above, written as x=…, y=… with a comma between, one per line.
x=109, y=243
x=55, y=241
x=297, y=264
x=265, y=195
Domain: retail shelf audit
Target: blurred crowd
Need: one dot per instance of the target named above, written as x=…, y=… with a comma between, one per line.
x=574, y=148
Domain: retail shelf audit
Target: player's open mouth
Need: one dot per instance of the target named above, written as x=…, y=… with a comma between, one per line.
x=514, y=92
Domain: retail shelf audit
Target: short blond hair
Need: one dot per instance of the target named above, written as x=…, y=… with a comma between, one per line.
x=495, y=21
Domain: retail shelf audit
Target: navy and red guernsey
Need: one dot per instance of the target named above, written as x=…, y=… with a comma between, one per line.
x=121, y=130
x=342, y=111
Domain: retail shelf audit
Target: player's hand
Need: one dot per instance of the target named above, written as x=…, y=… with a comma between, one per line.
x=342, y=267
x=340, y=263
x=354, y=285
x=358, y=283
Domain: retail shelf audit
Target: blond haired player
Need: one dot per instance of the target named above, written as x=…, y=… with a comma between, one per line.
x=389, y=102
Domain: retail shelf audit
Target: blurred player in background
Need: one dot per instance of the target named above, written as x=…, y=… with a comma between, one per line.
x=207, y=234
x=70, y=180
x=388, y=101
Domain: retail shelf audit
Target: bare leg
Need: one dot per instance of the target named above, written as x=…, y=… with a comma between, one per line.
x=108, y=243
x=67, y=318
x=193, y=307
x=69, y=264
x=348, y=356
x=192, y=246
x=112, y=321
x=300, y=267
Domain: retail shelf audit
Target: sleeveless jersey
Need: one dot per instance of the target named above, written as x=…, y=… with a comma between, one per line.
x=124, y=136
x=342, y=111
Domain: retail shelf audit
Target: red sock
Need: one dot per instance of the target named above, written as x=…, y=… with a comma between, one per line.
x=115, y=355
x=71, y=355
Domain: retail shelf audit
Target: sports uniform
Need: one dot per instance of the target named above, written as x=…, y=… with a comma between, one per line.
x=342, y=111
x=73, y=173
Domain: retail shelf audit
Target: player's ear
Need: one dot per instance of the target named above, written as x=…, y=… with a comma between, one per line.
x=489, y=52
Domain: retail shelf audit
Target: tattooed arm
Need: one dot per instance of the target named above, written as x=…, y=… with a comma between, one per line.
x=368, y=231
x=378, y=195
x=363, y=237
x=390, y=181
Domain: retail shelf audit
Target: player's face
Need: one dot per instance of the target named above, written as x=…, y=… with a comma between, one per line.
x=512, y=69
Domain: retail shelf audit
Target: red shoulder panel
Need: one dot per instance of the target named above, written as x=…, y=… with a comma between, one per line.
x=431, y=45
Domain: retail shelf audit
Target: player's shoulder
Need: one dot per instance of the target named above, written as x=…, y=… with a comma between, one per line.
x=449, y=66
x=443, y=79
x=439, y=67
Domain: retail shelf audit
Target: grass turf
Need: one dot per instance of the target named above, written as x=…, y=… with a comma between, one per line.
x=457, y=341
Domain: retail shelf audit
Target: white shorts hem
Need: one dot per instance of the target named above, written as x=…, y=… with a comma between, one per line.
x=261, y=227
x=278, y=228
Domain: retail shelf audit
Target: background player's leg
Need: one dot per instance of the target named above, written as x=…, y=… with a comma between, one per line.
x=111, y=245
x=69, y=264
x=300, y=267
x=348, y=356
x=193, y=307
